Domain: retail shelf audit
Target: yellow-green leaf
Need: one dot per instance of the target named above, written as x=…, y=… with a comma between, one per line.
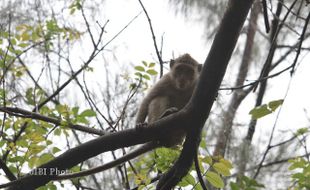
x=227, y=163
x=144, y=63
x=147, y=77
x=260, y=111
x=222, y=169
x=139, y=68
x=273, y=105
x=215, y=179
x=208, y=160
x=151, y=65
x=25, y=36
x=151, y=72
x=88, y=113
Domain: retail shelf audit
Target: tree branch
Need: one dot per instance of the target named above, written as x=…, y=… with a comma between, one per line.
x=212, y=74
x=18, y=112
x=154, y=40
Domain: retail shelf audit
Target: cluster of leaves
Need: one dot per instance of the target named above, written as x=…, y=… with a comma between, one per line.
x=76, y=5
x=217, y=167
x=143, y=74
x=246, y=183
x=265, y=109
x=46, y=31
x=301, y=178
x=213, y=168
x=34, y=147
x=302, y=131
x=16, y=42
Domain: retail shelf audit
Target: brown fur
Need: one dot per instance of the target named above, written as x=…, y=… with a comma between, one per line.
x=173, y=90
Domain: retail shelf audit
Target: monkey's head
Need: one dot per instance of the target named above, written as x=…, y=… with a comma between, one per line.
x=185, y=72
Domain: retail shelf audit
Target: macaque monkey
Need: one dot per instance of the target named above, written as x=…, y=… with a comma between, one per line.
x=171, y=93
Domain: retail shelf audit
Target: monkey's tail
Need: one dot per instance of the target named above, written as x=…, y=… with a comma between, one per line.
x=143, y=149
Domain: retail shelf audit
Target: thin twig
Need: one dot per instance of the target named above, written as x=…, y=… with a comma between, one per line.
x=269, y=146
x=300, y=43
x=265, y=11
x=198, y=171
x=88, y=29
x=154, y=40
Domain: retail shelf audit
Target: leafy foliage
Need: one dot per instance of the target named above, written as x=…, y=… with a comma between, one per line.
x=301, y=177
x=143, y=74
x=33, y=147
x=163, y=158
x=246, y=183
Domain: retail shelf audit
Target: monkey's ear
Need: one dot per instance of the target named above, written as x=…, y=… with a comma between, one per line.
x=200, y=67
x=172, y=61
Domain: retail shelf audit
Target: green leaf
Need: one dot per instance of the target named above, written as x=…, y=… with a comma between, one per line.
x=140, y=68
x=151, y=65
x=88, y=113
x=227, y=163
x=297, y=163
x=2, y=143
x=265, y=109
x=80, y=119
x=72, y=10
x=52, y=187
x=45, y=158
x=302, y=131
x=75, y=111
x=144, y=63
x=208, y=160
x=13, y=169
x=57, y=132
x=187, y=180
x=222, y=169
x=18, y=52
x=138, y=74
x=32, y=162
x=215, y=179
x=25, y=36
x=23, y=45
x=133, y=85
x=22, y=143
x=35, y=149
x=147, y=77
x=234, y=186
x=13, y=41
x=152, y=72
x=259, y=112
x=273, y=105
x=16, y=159
x=55, y=150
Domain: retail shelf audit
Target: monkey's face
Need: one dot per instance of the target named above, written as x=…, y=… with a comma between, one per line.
x=184, y=76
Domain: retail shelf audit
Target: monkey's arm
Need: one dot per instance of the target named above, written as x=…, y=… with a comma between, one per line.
x=137, y=152
x=143, y=110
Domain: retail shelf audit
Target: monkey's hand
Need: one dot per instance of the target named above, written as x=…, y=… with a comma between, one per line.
x=169, y=111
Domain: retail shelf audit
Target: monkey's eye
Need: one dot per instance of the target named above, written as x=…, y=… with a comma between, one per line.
x=186, y=72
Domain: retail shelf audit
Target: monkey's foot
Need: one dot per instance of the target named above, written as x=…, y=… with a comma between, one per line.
x=141, y=126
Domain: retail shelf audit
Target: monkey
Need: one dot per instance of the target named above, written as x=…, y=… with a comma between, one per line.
x=171, y=93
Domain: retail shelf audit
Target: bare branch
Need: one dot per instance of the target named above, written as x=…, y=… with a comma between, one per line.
x=154, y=40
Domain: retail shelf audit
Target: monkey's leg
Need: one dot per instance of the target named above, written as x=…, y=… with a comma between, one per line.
x=169, y=111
